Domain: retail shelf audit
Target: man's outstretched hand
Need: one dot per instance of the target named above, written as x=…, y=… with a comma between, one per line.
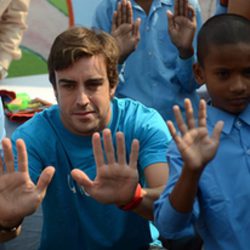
x=116, y=180
x=19, y=196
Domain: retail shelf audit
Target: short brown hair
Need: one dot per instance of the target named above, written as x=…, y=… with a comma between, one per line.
x=78, y=42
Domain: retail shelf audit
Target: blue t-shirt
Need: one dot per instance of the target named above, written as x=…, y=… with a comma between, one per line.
x=154, y=74
x=221, y=211
x=73, y=220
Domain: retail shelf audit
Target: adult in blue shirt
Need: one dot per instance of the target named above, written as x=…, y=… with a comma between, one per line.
x=158, y=72
x=98, y=198
x=209, y=183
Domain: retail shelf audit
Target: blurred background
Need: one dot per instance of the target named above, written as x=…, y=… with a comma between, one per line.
x=48, y=18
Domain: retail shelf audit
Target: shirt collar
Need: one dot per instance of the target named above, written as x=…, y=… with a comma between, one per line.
x=158, y=2
x=215, y=115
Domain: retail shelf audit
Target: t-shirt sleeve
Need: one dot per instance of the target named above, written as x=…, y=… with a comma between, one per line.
x=154, y=138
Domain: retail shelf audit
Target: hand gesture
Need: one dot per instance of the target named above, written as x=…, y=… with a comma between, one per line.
x=124, y=30
x=19, y=196
x=197, y=148
x=181, y=27
x=115, y=181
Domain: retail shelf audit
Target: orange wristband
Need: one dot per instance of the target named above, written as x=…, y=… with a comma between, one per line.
x=137, y=199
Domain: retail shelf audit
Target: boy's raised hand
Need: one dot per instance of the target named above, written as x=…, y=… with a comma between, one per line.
x=182, y=27
x=197, y=148
x=19, y=196
x=115, y=181
x=125, y=30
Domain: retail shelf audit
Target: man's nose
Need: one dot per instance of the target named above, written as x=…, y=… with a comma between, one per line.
x=82, y=98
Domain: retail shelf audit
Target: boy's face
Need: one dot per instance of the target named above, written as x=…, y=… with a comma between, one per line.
x=226, y=73
x=83, y=94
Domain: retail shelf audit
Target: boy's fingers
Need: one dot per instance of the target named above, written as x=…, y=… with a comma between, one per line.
x=114, y=22
x=179, y=120
x=174, y=134
x=217, y=130
x=202, y=116
x=129, y=13
x=189, y=114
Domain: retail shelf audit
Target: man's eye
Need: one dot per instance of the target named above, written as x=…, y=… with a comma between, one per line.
x=68, y=86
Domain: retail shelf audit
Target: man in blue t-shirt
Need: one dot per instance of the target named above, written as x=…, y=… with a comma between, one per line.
x=109, y=155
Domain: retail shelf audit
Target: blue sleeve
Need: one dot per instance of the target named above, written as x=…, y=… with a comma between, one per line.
x=171, y=223
x=184, y=69
x=154, y=138
x=103, y=15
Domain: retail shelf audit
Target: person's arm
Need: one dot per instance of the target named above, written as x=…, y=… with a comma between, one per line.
x=156, y=177
x=197, y=148
x=12, y=26
x=19, y=197
x=117, y=181
x=240, y=7
x=183, y=25
x=125, y=30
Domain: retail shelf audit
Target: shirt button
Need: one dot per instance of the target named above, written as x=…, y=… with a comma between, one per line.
x=147, y=28
x=238, y=123
x=248, y=151
x=150, y=53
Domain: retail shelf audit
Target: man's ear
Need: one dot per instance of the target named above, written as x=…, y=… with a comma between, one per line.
x=55, y=91
x=112, y=91
x=198, y=72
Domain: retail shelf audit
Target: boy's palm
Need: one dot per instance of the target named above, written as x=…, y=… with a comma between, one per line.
x=197, y=148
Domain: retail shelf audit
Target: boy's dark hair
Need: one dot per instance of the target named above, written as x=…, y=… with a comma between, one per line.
x=78, y=42
x=221, y=30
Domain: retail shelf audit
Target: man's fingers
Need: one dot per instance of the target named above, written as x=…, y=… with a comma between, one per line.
x=81, y=178
x=45, y=179
x=97, y=150
x=108, y=146
x=134, y=154
x=121, y=149
x=22, y=156
x=8, y=155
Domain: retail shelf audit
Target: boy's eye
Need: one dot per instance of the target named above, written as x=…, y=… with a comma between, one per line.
x=223, y=74
x=246, y=72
